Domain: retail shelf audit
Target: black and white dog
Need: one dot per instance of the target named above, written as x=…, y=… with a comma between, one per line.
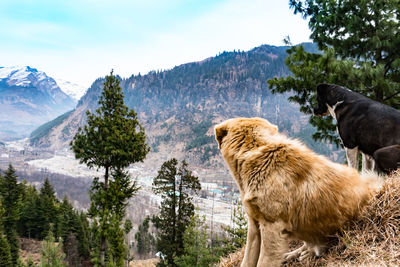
x=387, y=159
x=363, y=124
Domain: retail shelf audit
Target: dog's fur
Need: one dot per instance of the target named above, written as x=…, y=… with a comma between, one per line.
x=387, y=159
x=288, y=191
x=363, y=124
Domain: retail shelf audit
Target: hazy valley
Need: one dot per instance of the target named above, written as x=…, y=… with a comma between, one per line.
x=178, y=108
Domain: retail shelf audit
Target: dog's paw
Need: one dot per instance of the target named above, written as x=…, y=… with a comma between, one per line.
x=307, y=254
x=304, y=252
x=295, y=253
x=311, y=252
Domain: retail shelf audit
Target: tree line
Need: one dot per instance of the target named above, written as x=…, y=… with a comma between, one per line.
x=26, y=212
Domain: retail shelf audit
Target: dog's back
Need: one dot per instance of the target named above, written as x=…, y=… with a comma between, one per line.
x=368, y=125
x=362, y=123
x=330, y=195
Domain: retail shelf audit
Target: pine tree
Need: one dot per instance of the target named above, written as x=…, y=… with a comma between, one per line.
x=174, y=185
x=69, y=225
x=11, y=201
x=28, y=224
x=237, y=233
x=196, y=249
x=67, y=219
x=47, y=190
x=127, y=228
x=52, y=254
x=144, y=239
x=5, y=254
x=83, y=234
x=47, y=209
x=360, y=45
x=112, y=139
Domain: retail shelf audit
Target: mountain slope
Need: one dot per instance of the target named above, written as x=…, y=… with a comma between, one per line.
x=179, y=107
x=28, y=98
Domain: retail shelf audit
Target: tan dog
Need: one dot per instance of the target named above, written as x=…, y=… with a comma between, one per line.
x=288, y=190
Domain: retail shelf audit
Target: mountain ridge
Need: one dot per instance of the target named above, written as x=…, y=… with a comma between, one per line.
x=180, y=106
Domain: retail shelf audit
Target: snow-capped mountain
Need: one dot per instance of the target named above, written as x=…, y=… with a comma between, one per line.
x=74, y=90
x=28, y=98
x=21, y=76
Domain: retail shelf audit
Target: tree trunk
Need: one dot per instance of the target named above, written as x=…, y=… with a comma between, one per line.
x=179, y=221
x=103, y=238
x=170, y=259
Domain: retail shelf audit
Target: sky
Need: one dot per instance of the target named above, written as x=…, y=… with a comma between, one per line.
x=81, y=40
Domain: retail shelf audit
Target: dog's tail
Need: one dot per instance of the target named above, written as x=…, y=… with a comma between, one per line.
x=374, y=180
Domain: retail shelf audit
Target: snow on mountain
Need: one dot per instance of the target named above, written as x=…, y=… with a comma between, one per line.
x=21, y=76
x=26, y=76
x=74, y=90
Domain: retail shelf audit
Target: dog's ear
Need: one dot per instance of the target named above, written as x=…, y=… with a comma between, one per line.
x=220, y=132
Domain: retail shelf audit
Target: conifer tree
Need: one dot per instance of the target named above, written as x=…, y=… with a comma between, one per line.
x=360, y=45
x=28, y=224
x=11, y=201
x=83, y=235
x=112, y=139
x=196, y=249
x=5, y=254
x=73, y=233
x=127, y=228
x=144, y=239
x=67, y=219
x=174, y=184
x=47, y=209
x=52, y=254
x=237, y=233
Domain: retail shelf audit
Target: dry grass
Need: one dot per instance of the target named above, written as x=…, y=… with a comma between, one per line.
x=232, y=260
x=144, y=263
x=372, y=240
x=30, y=248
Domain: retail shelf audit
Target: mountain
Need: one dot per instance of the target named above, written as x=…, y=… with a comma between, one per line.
x=179, y=107
x=28, y=98
x=74, y=90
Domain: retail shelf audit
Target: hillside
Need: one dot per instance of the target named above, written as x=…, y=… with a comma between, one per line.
x=28, y=98
x=179, y=107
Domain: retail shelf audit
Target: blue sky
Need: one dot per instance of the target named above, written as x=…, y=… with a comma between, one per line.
x=81, y=40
